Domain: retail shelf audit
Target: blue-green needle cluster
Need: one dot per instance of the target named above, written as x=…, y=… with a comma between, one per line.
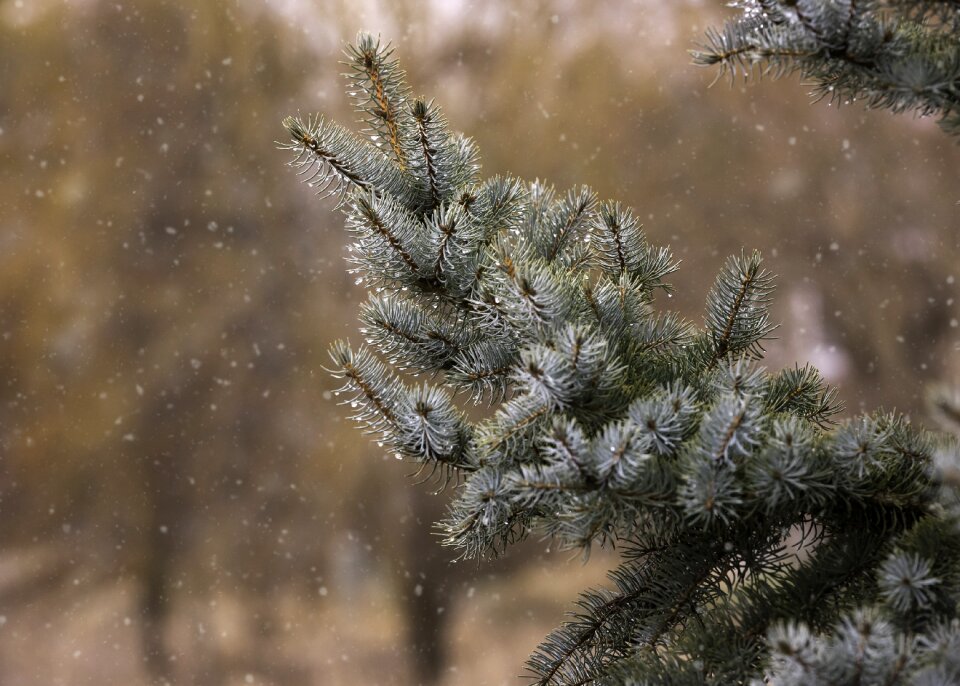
x=760, y=540
x=901, y=55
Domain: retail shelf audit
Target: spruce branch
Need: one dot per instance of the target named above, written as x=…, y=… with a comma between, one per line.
x=374, y=391
x=377, y=84
x=802, y=391
x=651, y=597
x=737, y=309
x=895, y=54
x=389, y=244
x=420, y=424
x=566, y=223
x=666, y=417
x=622, y=247
x=443, y=162
x=500, y=201
x=484, y=369
x=791, y=469
x=332, y=160
x=406, y=333
x=613, y=423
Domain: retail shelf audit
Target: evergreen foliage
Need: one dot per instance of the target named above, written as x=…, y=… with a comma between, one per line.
x=903, y=55
x=759, y=538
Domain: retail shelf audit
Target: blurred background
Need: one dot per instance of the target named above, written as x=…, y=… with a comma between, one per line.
x=182, y=500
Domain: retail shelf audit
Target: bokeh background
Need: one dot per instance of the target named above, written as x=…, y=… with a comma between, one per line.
x=181, y=499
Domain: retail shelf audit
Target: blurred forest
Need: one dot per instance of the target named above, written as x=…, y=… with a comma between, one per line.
x=183, y=500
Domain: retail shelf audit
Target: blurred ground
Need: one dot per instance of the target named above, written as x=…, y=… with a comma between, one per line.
x=78, y=637
x=183, y=500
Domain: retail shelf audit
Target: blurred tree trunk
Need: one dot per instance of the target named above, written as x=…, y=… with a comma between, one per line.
x=427, y=602
x=159, y=559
